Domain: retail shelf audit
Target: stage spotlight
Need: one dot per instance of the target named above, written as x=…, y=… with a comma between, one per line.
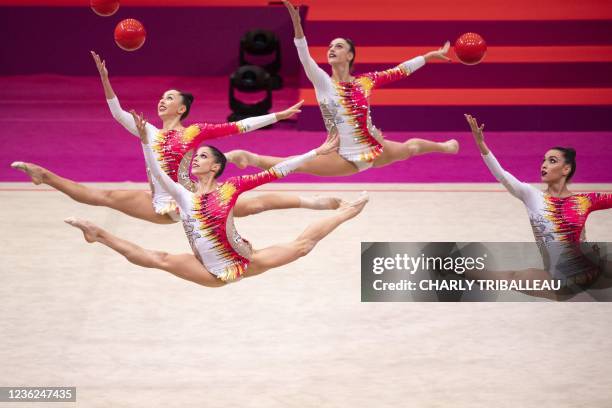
x=249, y=79
x=262, y=43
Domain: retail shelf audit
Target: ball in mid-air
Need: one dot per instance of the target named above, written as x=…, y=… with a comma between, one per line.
x=130, y=34
x=104, y=8
x=470, y=48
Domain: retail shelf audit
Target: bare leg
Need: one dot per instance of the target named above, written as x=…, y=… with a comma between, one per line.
x=185, y=266
x=280, y=201
x=325, y=166
x=131, y=202
x=395, y=151
x=279, y=255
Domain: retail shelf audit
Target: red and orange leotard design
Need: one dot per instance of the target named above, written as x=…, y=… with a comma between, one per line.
x=346, y=106
x=557, y=223
x=170, y=148
x=207, y=218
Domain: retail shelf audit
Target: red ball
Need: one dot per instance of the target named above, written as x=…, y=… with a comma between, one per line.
x=104, y=8
x=470, y=48
x=130, y=34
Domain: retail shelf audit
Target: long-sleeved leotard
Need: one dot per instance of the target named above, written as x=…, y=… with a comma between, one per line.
x=557, y=223
x=171, y=146
x=346, y=105
x=208, y=220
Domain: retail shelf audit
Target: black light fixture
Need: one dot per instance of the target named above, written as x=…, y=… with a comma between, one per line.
x=261, y=43
x=249, y=79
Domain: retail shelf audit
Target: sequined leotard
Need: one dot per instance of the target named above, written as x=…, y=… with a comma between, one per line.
x=170, y=148
x=557, y=223
x=207, y=218
x=346, y=105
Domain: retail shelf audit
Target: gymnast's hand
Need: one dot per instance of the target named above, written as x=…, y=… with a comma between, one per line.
x=294, y=12
x=440, y=53
x=141, y=124
x=100, y=64
x=476, y=130
x=331, y=144
x=287, y=113
x=477, y=133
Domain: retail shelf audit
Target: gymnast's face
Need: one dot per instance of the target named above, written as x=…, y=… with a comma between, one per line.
x=339, y=52
x=554, y=167
x=204, y=163
x=171, y=104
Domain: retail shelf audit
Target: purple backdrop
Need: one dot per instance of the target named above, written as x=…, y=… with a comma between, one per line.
x=180, y=40
x=53, y=110
x=63, y=122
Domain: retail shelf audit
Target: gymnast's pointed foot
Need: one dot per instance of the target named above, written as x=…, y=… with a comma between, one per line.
x=35, y=172
x=91, y=232
x=321, y=202
x=241, y=158
x=451, y=146
x=353, y=208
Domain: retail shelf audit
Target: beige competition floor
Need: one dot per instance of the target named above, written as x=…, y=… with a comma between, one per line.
x=75, y=314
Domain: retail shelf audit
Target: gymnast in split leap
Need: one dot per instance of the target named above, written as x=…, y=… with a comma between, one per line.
x=557, y=217
x=344, y=103
x=220, y=254
x=170, y=145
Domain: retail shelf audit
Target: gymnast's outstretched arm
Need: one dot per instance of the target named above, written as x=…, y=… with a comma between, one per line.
x=315, y=74
x=212, y=131
x=289, y=165
x=406, y=68
x=515, y=187
x=121, y=116
x=180, y=194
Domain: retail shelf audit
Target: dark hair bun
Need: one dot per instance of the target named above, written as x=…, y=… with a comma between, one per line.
x=188, y=97
x=569, y=153
x=569, y=157
x=187, y=101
